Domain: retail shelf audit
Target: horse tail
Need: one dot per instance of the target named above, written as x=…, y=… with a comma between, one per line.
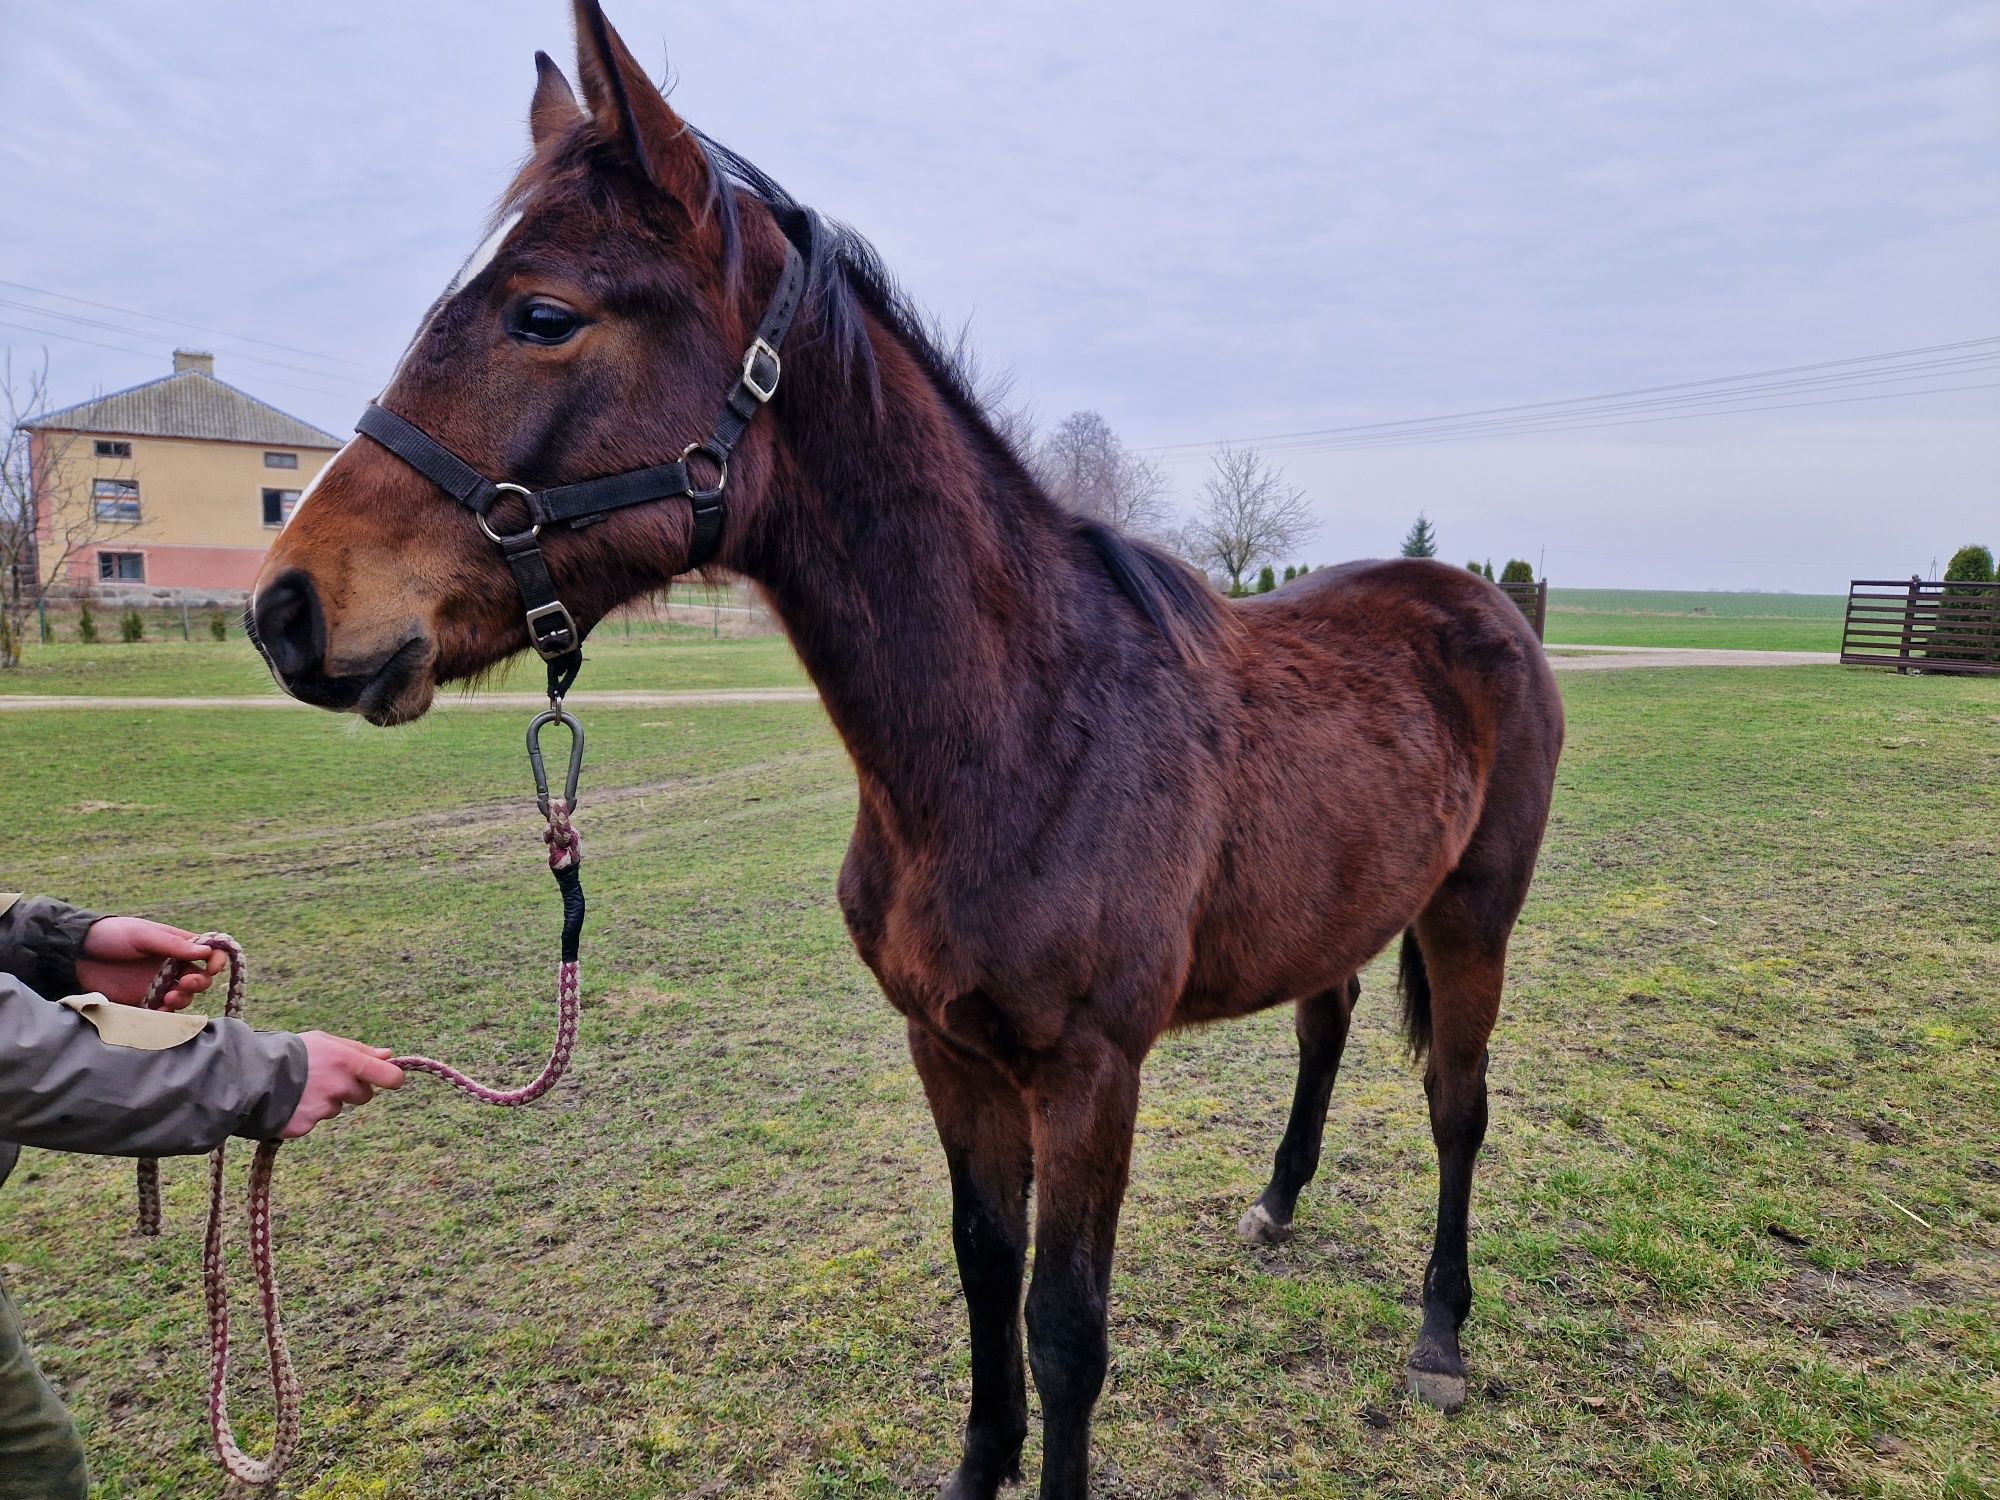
x=1415, y=982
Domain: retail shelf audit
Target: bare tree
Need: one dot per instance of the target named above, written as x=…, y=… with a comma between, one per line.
x=1086, y=468
x=1250, y=514
x=47, y=513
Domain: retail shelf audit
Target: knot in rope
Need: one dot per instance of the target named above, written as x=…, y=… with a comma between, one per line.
x=565, y=848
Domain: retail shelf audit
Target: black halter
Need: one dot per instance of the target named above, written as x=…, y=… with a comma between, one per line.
x=551, y=629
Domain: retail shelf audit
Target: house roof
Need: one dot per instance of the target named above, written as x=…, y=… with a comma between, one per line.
x=188, y=404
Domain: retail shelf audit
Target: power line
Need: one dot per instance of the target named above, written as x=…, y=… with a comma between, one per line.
x=53, y=333
x=1415, y=441
x=143, y=333
x=1583, y=405
x=1674, y=408
x=133, y=312
x=1423, y=439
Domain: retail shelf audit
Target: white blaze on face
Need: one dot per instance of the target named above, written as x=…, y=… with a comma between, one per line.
x=481, y=258
x=313, y=483
x=476, y=262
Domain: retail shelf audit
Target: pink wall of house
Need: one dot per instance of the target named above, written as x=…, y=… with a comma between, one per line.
x=176, y=567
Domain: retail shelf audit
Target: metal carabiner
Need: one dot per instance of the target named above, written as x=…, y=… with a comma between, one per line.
x=555, y=714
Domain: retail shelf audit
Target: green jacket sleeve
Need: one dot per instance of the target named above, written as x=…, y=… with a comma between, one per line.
x=62, y=1086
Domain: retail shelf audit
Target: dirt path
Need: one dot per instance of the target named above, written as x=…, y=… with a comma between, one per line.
x=1611, y=658
x=1565, y=659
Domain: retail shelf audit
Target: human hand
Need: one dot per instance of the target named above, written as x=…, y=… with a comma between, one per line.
x=338, y=1073
x=120, y=956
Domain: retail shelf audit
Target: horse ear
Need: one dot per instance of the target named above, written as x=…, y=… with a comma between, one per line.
x=621, y=96
x=555, y=108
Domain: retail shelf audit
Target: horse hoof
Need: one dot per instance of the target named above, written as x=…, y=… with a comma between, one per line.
x=964, y=1486
x=1445, y=1392
x=1259, y=1228
x=981, y=1481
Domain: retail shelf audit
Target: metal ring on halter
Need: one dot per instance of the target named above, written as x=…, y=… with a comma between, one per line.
x=536, y=725
x=527, y=498
x=708, y=450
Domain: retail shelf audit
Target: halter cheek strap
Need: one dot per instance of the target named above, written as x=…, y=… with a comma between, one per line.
x=552, y=629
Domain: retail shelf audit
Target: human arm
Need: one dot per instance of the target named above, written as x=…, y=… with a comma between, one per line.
x=63, y=1086
x=167, y=1092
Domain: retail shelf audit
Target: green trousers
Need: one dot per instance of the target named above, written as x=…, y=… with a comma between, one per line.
x=41, y=1457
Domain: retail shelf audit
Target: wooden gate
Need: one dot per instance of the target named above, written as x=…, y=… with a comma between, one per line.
x=1534, y=601
x=1913, y=625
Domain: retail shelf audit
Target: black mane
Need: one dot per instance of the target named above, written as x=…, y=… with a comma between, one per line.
x=846, y=279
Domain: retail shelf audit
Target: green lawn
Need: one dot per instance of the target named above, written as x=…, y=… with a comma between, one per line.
x=667, y=659
x=1730, y=622
x=1753, y=1021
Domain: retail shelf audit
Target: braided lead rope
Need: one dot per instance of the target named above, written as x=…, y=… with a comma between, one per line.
x=565, y=851
x=149, y=1167
x=285, y=1393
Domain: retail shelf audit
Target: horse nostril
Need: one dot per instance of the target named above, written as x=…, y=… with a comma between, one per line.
x=287, y=625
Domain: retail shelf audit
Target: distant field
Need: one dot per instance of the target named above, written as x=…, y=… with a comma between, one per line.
x=1729, y=622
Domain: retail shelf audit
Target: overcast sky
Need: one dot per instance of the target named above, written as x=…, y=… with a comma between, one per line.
x=1205, y=221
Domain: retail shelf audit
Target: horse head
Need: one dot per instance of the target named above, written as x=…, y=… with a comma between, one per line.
x=594, y=331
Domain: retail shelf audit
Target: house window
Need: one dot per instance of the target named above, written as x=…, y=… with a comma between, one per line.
x=121, y=567
x=116, y=499
x=281, y=460
x=278, y=506
x=105, y=449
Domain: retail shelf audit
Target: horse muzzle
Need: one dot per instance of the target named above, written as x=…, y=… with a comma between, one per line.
x=287, y=624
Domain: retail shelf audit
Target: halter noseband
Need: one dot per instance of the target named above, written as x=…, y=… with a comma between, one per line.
x=551, y=628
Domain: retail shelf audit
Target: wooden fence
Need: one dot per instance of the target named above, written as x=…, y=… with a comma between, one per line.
x=1534, y=601
x=1913, y=625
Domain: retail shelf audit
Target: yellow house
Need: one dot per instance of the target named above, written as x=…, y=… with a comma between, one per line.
x=180, y=483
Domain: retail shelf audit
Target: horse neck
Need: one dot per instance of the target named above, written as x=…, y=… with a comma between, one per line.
x=925, y=583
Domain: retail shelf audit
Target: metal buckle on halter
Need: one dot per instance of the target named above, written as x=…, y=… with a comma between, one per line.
x=560, y=638
x=528, y=499
x=762, y=390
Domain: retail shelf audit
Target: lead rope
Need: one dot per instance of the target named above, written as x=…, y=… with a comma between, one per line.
x=565, y=854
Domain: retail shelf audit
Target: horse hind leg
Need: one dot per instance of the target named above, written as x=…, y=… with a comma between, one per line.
x=1321, y=1021
x=1453, y=966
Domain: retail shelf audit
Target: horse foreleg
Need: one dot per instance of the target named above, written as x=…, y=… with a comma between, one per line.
x=1084, y=1103
x=1321, y=1022
x=983, y=1122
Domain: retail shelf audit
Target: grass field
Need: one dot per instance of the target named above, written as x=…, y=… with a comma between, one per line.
x=671, y=660
x=1751, y=1038
x=1723, y=622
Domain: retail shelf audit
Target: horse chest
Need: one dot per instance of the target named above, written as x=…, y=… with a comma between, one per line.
x=1010, y=949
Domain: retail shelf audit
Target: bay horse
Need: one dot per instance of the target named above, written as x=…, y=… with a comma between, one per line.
x=1096, y=801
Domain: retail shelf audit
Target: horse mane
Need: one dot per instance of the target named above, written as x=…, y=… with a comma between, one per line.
x=846, y=283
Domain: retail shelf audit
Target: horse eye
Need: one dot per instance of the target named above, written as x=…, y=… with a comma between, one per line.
x=544, y=322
